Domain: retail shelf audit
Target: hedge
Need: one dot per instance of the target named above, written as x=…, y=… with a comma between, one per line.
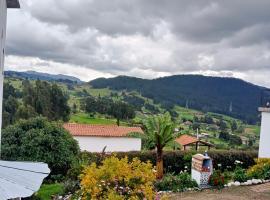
x=176, y=161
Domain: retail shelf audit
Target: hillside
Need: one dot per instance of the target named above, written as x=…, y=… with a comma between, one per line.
x=33, y=75
x=229, y=96
x=187, y=120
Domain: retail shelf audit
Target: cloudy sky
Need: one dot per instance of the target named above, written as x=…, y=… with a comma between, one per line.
x=143, y=38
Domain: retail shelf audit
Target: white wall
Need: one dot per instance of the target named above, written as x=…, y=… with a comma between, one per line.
x=3, y=17
x=264, y=150
x=96, y=144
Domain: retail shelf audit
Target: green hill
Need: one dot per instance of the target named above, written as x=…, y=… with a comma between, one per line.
x=229, y=96
x=187, y=120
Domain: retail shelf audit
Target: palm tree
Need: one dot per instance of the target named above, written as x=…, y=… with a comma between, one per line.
x=159, y=132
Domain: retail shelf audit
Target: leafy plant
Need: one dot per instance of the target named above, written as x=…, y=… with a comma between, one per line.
x=40, y=140
x=217, y=179
x=240, y=174
x=261, y=170
x=118, y=179
x=176, y=183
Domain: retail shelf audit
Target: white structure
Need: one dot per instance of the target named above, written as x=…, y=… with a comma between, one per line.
x=264, y=149
x=112, y=144
x=202, y=169
x=94, y=138
x=17, y=179
x=21, y=181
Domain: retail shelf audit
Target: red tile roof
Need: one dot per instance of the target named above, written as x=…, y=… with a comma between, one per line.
x=100, y=130
x=186, y=139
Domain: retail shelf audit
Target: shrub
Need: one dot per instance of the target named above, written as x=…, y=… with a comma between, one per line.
x=217, y=179
x=261, y=170
x=39, y=140
x=240, y=174
x=176, y=183
x=118, y=179
x=176, y=161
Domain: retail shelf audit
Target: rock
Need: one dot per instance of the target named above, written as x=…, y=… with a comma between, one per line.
x=237, y=183
x=230, y=184
x=255, y=181
x=249, y=182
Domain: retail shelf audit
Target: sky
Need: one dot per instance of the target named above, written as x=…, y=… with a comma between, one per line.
x=143, y=38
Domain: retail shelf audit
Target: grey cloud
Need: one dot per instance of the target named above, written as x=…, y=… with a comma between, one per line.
x=145, y=37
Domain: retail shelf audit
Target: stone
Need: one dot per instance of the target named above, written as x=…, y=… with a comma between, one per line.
x=255, y=181
x=237, y=183
x=230, y=184
x=249, y=182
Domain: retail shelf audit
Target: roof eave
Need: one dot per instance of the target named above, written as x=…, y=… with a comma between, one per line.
x=13, y=4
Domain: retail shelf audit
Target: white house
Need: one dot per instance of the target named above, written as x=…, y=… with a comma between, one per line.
x=264, y=149
x=94, y=138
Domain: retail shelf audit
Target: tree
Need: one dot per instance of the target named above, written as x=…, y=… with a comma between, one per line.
x=47, y=100
x=10, y=106
x=74, y=108
x=196, y=126
x=59, y=104
x=121, y=110
x=208, y=119
x=159, y=132
x=40, y=140
x=224, y=136
x=235, y=140
x=234, y=126
x=222, y=125
x=25, y=112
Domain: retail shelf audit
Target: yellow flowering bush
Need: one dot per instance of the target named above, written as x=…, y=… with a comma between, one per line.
x=118, y=179
x=261, y=170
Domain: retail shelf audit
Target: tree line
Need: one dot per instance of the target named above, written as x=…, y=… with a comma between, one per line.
x=40, y=98
x=104, y=105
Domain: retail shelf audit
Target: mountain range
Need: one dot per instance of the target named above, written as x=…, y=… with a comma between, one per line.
x=229, y=96
x=33, y=75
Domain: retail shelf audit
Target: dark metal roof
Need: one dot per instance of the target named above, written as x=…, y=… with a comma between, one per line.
x=13, y=4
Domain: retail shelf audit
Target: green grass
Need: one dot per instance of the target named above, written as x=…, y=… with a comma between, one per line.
x=84, y=118
x=46, y=191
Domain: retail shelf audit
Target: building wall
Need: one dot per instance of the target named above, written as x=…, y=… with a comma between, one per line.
x=264, y=150
x=114, y=144
x=3, y=17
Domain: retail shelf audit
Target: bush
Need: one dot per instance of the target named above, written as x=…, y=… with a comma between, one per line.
x=118, y=179
x=261, y=170
x=176, y=183
x=240, y=174
x=39, y=140
x=177, y=161
x=217, y=179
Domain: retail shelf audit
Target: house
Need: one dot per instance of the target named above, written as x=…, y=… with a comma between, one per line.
x=187, y=141
x=264, y=148
x=245, y=140
x=94, y=138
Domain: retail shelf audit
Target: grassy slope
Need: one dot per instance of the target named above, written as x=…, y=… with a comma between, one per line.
x=249, y=130
x=46, y=191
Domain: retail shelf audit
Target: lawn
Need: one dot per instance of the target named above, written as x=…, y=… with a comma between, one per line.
x=46, y=191
x=84, y=118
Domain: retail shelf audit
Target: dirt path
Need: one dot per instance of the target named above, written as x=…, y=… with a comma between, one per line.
x=258, y=192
